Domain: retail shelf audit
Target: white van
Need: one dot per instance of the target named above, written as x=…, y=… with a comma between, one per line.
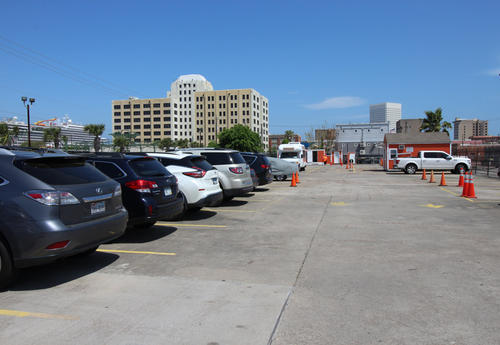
x=293, y=152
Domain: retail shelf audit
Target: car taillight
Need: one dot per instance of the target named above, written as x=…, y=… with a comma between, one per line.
x=58, y=245
x=52, y=197
x=141, y=186
x=118, y=191
x=237, y=170
x=397, y=161
x=196, y=174
x=264, y=166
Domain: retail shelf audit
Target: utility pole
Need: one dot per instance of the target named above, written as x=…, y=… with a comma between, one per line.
x=31, y=101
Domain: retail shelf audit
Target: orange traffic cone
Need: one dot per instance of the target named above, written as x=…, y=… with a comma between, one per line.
x=471, y=191
x=294, y=182
x=424, y=176
x=461, y=178
x=465, y=190
x=347, y=165
x=443, y=181
x=432, y=179
x=297, y=177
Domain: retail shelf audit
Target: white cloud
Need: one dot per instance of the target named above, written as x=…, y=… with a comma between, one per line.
x=494, y=72
x=337, y=102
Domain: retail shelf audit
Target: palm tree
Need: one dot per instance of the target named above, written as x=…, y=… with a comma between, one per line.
x=52, y=134
x=96, y=131
x=433, y=122
x=289, y=135
x=8, y=136
x=122, y=141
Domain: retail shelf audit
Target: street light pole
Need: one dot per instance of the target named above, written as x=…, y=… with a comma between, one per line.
x=31, y=101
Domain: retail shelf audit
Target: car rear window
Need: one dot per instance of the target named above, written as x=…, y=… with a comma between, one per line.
x=266, y=161
x=61, y=170
x=201, y=163
x=148, y=167
x=249, y=159
x=237, y=158
x=218, y=158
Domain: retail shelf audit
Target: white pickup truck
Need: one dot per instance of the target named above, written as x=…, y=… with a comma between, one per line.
x=433, y=160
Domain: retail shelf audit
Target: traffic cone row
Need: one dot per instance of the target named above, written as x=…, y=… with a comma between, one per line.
x=466, y=180
x=295, y=179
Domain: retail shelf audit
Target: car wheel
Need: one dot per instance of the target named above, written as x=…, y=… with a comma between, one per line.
x=411, y=169
x=7, y=269
x=459, y=167
x=144, y=225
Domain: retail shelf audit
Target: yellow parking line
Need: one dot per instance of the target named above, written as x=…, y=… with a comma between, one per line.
x=17, y=313
x=132, y=252
x=191, y=225
x=224, y=210
x=455, y=194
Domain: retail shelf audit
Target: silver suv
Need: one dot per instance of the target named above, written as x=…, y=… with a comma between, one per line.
x=234, y=172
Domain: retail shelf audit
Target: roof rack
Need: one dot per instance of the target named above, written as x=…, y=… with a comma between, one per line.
x=40, y=150
x=109, y=154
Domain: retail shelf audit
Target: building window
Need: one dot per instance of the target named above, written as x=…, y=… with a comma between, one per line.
x=126, y=106
x=127, y=119
x=166, y=111
x=147, y=126
x=136, y=106
x=118, y=127
x=147, y=133
x=166, y=105
x=166, y=132
x=137, y=120
x=118, y=120
x=147, y=112
x=166, y=118
x=156, y=112
x=167, y=125
x=157, y=133
x=117, y=113
x=127, y=127
x=136, y=112
x=137, y=126
x=156, y=105
x=147, y=105
x=126, y=113
x=117, y=107
x=157, y=119
x=147, y=119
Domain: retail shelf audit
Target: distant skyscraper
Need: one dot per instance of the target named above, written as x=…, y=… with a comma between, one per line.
x=464, y=129
x=386, y=112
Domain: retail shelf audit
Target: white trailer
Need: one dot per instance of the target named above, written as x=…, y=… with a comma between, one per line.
x=293, y=152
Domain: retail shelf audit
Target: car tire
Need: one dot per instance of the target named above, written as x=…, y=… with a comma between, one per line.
x=460, y=166
x=7, y=269
x=411, y=169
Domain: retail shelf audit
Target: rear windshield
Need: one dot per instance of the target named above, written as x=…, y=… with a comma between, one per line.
x=201, y=163
x=289, y=155
x=61, y=171
x=221, y=158
x=148, y=167
x=237, y=158
x=249, y=159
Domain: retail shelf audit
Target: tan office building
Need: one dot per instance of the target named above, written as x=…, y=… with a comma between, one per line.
x=464, y=129
x=192, y=110
x=409, y=126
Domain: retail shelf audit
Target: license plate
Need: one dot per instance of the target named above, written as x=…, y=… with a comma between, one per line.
x=167, y=191
x=97, y=207
x=214, y=180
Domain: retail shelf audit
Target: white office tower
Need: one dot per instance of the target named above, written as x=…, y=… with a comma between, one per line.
x=183, y=103
x=386, y=112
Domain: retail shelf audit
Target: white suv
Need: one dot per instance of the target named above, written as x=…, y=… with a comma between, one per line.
x=198, y=179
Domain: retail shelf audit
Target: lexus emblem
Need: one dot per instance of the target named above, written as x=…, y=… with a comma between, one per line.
x=98, y=190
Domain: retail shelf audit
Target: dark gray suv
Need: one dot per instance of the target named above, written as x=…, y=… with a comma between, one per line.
x=53, y=205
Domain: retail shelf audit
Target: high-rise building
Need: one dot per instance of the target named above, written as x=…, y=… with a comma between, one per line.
x=192, y=110
x=464, y=129
x=386, y=112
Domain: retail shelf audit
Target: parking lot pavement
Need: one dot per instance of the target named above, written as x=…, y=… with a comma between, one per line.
x=347, y=257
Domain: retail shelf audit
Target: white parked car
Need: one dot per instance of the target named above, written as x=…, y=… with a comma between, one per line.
x=198, y=179
x=433, y=160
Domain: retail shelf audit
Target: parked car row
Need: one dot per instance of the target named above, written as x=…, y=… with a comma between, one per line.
x=55, y=204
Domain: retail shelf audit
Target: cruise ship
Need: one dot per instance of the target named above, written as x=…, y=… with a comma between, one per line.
x=75, y=133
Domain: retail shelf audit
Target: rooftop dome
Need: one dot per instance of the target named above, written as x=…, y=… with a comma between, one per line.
x=188, y=77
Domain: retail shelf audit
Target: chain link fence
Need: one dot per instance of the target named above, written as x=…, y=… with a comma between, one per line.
x=485, y=159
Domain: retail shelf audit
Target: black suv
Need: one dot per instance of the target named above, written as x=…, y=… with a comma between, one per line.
x=261, y=165
x=53, y=205
x=150, y=193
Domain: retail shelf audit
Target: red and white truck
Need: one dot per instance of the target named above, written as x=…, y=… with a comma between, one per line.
x=433, y=160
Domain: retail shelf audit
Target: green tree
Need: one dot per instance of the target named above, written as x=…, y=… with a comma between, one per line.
x=52, y=134
x=212, y=144
x=165, y=144
x=122, y=141
x=8, y=136
x=289, y=135
x=240, y=138
x=182, y=143
x=96, y=131
x=285, y=141
x=65, y=141
x=434, y=122
x=195, y=144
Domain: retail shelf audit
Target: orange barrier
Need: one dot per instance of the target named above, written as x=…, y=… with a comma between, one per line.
x=424, y=176
x=297, y=177
x=432, y=179
x=461, y=179
x=443, y=181
x=294, y=182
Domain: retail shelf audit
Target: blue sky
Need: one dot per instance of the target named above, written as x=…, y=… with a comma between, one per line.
x=318, y=62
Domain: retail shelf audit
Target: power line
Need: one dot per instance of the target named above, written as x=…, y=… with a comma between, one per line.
x=62, y=69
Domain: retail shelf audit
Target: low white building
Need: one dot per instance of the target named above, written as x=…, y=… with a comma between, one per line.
x=365, y=139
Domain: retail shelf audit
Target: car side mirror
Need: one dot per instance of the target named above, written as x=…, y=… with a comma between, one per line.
x=448, y=158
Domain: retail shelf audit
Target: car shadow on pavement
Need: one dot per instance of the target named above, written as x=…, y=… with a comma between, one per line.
x=247, y=195
x=145, y=235
x=261, y=189
x=233, y=203
x=61, y=271
x=199, y=215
